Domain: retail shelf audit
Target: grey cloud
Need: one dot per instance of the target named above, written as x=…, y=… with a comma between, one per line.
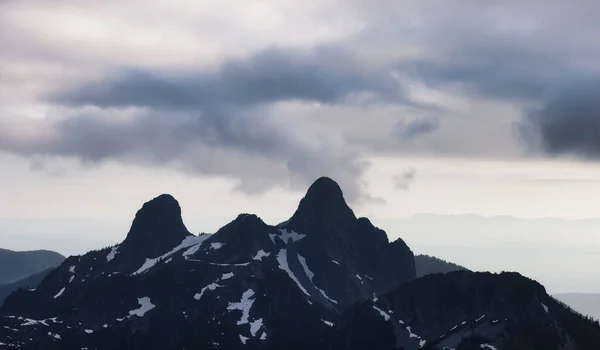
x=189, y=118
x=221, y=122
x=516, y=72
x=243, y=146
x=325, y=75
x=408, y=130
x=405, y=179
x=567, y=123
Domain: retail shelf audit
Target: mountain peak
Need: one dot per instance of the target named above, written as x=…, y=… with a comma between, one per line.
x=326, y=185
x=323, y=205
x=157, y=224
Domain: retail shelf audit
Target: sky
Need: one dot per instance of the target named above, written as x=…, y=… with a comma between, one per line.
x=413, y=107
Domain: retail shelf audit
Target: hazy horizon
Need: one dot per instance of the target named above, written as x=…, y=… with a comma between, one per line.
x=551, y=252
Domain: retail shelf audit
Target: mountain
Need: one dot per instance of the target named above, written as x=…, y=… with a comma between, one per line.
x=426, y=265
x=27, y=282
x=17, y=265
x=301, y=284
x=584, y=303
x=466, y=310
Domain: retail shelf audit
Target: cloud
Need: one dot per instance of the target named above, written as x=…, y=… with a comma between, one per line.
x=222, y=97
x=567, y=123
x=244, y=147
x=324, y=75
x=410, y=129
x=405, y=179
x=217, y=122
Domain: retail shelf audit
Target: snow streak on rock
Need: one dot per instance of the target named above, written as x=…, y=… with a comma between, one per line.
x=382, y=313
x=310, y=275
x=211, y=286
x=187, y=242
x=283, y=264
x=60, y=292
x=112, y=253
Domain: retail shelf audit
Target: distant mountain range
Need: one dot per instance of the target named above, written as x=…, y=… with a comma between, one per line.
x=324, y=279
x=584, y=303
x=427, y=265
x=18, y=265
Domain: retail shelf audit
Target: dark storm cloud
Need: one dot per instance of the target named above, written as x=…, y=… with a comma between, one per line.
x=325, y=75
x=497, y=71
x=246, y=147
x=568, y=123
x=220, y=122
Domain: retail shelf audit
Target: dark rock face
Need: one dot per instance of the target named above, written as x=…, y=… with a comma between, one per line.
x=465, y=310
x=303, y=284
x=323, y=210
x=157, y=225
x=355, y=258
x=27, y=282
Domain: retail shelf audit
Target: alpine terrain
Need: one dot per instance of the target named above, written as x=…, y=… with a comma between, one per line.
x=324, y=279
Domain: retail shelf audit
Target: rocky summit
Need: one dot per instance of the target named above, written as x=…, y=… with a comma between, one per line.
x=324, y=279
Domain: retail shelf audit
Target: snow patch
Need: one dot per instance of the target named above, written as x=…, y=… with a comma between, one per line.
x=211, y=286
x=272, y=237
x=545, y=307
x=283, y=264
x=112, y=253
x=53, y=335
x=307, y=271
x=71, y=279
x=187, y=242
x=357, y=276
x=326, y=296
x=328, y=323
x=60, y=292
x=335, y=262
x=243, y=305
x=260, y=255
x=255, y=326
x=216, y=245
x=480, y=318
x=243, y=339
x=226, y=276
x=310, y=275
x=218, y=264
x=487, y=346
x=89, y=331
x=382, y=313
x=72, y=269
x=194, y=248
x=286, y=235
x=411, y=334
x=145, y=306
x=32, y=322
x=422, y=343
x=263, y=336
